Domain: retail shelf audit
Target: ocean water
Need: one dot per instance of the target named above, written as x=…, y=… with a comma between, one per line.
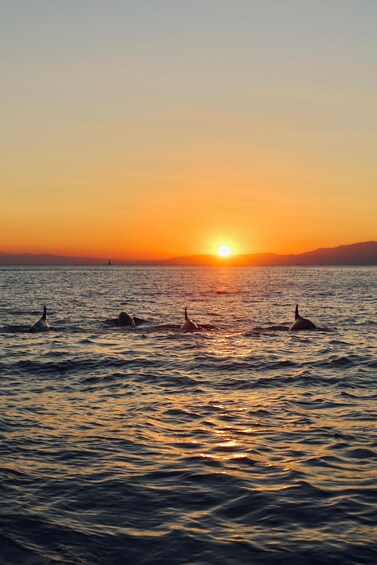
x=241, y=443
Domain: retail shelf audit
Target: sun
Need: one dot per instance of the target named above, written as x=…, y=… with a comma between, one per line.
x=224, y=251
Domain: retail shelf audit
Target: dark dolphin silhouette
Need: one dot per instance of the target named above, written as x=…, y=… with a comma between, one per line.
x=301, y=323
x=42, y=325
x=125, y=319
x=188, y=325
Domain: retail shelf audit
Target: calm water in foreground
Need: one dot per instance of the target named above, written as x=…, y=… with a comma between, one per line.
x=240, y=444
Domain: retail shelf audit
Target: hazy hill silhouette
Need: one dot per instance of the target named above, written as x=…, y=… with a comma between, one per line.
x=355, y=254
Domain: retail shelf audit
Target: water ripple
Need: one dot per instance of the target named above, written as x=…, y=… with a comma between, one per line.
x=241, y=443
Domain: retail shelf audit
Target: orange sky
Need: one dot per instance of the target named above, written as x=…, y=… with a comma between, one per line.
x=164, y=130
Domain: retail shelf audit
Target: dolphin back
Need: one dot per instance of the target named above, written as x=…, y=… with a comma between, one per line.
x=125, y=319
x=188, y=325
x=42, y=324
x=301, y=323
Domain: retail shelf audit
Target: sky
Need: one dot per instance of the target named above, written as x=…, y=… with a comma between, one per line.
x=151, y=129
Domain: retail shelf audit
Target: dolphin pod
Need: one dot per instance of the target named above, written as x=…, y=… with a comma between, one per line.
x=301, y=323
x=125, y=320
x=42, y=325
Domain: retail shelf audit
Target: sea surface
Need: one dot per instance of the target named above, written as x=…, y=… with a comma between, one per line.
x=241, y=443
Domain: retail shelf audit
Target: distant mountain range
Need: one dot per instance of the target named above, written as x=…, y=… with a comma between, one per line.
x=355, y=254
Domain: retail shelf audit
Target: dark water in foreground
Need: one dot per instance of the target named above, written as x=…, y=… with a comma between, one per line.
x=242, y=443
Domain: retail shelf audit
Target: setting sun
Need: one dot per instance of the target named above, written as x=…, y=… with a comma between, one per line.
x=223, y=251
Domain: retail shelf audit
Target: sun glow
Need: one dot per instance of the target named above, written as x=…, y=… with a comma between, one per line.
x=224, y=251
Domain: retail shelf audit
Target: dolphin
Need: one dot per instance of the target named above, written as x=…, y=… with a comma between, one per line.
x=188, y=325
x=125, y=319
x=301, y=323
x=42, y=325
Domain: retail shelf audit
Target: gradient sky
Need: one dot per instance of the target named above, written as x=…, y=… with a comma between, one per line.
x=151, y=129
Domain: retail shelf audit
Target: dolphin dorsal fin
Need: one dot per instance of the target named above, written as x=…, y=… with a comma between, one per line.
x=44, y=316
x=297, y=315
x=186, y=317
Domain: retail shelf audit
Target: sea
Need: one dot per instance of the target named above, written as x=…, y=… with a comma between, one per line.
x=239, y=443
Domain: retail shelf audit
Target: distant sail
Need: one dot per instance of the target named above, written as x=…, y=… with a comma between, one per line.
x=109, y=263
